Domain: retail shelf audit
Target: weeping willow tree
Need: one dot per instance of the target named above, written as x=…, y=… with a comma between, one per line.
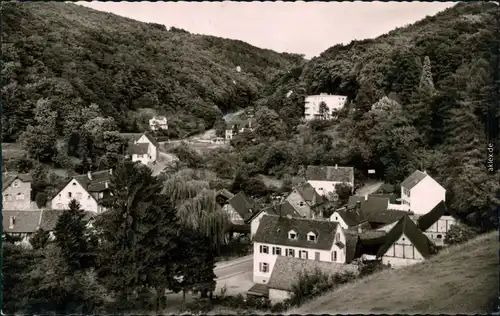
x=196, y=206
x=203, y=214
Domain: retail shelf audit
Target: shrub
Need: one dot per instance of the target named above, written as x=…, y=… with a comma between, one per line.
x=459, y=233
x=370, y=267
x=201, y=305
x=41, y=199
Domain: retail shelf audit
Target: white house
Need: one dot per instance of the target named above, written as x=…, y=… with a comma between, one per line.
x=324, y=178
x=145, y=149
x=296, y=237
x=436, y=223
x=158, y=123
x=312, y=105
x=239, y=208
x=405, y=244
x=16, y=191
x=303, y=198
x=88, y=190
x=421, y=193
x=287, y=269
x=282, y=209
x=238, y=127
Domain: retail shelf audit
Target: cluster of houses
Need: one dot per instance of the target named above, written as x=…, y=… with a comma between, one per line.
x=294, y=235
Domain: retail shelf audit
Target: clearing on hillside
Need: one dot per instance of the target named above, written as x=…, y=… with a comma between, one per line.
x=462, y=279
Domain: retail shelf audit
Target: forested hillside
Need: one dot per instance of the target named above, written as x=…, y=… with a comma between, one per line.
x=68, y=56
x=434, y=84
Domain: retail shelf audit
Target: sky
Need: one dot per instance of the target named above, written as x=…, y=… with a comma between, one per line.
x=307, y=28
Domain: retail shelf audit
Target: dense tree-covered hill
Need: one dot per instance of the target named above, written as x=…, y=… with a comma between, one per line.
x=71, y=56
x=435, y=87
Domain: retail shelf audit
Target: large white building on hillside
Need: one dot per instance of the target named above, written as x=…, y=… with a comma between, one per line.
x=312, y=105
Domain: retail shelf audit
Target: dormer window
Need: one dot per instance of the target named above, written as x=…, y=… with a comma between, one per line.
x=292, y=235
x=311, y=236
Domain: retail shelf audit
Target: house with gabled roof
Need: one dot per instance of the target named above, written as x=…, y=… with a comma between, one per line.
x=324, y=178
x=20, y=224
x=287, y=270
x=372, y=213
x=144, y=149
x=158, y=123
x=239, y=208
x=437, y=222
x=281, y=209
x=303, y=198
x=420, y=193
x=405, y=244
x=89, y=190
x=16, y=191
x=222, y=196
x=296, y=237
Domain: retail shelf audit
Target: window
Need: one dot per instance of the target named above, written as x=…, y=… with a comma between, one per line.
x=292, y=235
x=336, y=218
x=334, y=256
x=8, y=197
x=69, y=194
x=263, y=267
x=316, y=256
x=290, y=252
x=408, y=193
x=79, y=195
x=311, y=237
x=337, y=237
x=439, y=236
x=59, y=205
x=301, y=203
x=264, y=249
x=88, y=197
x=20, y=196
x=303, y=254
x=15, y=184
x=74, y=183
x=277, y=251
x=321, y=189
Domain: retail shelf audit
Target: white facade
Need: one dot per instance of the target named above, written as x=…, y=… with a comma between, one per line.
x=424, y=196
x=264, y=255
x=402, y=253
x=229, y=134
x=74, y=190
x=158, y=123
x=276, y=296
x=437, y=232
x=233, y=216
x=335, y=217
x=325, y=187
x=152, y=154
x=254, y=224
x=312, y=105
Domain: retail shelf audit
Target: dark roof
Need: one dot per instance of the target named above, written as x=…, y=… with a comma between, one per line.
x=413, y=179
x=274, y=230
x=386, y=216
x=329, y=173
x=151, y=139
x=391, y=196
x=287, y=269
x=242, y=205
x=49, y=218
x=352, y=216
x=427, y=220
x=285, y=209
x=353, y=199
x=225, y=193
x=407, y=227
x=24, y=221
x=308, y=193
x=98, y=182
x=138, y=149
x=7, y=179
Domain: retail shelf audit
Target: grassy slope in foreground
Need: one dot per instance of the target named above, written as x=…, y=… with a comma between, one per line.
x=461, y=279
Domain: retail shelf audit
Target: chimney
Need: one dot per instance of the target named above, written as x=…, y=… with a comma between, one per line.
x=336, y=166
x=425, y=171
x=12, y=221
x=89, y=175
x=106, y=184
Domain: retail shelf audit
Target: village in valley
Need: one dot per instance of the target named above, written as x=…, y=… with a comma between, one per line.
x=262, y=210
